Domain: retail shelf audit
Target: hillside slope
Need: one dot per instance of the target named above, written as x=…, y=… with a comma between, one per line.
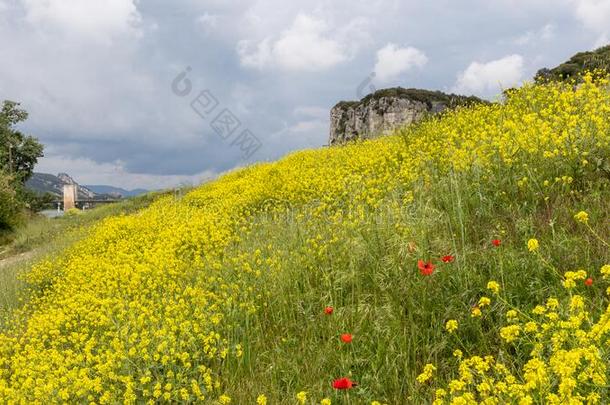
x=287, y=282
x=41, y=236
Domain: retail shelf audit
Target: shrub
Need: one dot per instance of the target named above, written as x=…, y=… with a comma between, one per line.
x=72, y=212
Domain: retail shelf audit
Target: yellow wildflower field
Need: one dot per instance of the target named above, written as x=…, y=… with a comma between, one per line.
x=156, y=306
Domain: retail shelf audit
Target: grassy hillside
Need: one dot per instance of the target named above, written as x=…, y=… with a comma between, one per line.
x=390, y=263
x=41, y=236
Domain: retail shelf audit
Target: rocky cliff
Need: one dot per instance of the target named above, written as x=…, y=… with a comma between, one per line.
x=387, y=109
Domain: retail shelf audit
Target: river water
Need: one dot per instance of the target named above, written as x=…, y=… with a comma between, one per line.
x=51, y=213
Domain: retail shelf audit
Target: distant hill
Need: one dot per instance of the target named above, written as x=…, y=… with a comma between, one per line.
x=110, y=190
x=577, y=64
x=43, y=183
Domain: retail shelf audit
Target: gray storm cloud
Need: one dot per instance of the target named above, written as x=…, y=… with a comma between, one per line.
x=96, y=76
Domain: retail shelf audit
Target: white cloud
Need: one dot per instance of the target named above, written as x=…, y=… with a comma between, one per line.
x=311, y=112
x=595, y=16
x=545, y=34
x=101, y=20
x=392, y=61
x=308, y=45
x=309, y=127
x=310, y=120
x=485, y=79
x=208, y=22
x=255, y=55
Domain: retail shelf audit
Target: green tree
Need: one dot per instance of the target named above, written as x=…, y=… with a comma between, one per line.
x=19, y=153
x=9, y=205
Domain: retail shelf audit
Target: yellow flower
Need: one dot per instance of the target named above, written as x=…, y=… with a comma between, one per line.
x=494, y=287
x=475, y=312
x=511, y=315
x=426, y=373
x=593, y=398
x=224, y=400
x=458, y=353
x=570, y=278
x=552, y=303
x=582, y=217
x=261, y=400
x=531, y=327
x=527, y=400
x=451, y=325
x=533, y=245
x=605, y=270
x=439, y=395
x=302, y=397
x=577, y=303
x=539, y=310
x=484, y=301
x=456, y=385
x=326, y=401
x=510, y=333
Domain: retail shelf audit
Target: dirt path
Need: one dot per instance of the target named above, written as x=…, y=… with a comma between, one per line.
x=10, y=260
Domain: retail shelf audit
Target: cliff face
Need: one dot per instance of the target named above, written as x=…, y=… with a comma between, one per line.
x=386, y=110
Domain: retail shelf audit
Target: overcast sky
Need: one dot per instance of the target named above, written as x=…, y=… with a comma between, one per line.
x=96, y=76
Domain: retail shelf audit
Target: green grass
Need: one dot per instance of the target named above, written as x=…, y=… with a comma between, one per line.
x=369, y=275
x=41, y=236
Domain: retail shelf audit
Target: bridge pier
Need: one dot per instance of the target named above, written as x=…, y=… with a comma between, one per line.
x=69, y=196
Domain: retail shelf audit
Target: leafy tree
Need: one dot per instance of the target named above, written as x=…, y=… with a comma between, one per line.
x=9, y=205
x=19, y=153
x=34, y=201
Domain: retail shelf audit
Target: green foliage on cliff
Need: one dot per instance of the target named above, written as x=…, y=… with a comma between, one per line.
x=424, y=96
x=429, y=97
x=573, y=69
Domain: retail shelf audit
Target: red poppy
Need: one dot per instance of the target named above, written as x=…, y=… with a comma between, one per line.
x=343, y=384
x=589, y=282
x=448, y=259
x=346, y=338
x=496, y=242
x=425, y=268
x=328, y=310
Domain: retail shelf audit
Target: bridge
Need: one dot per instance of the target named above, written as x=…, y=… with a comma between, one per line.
x=83, y=203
